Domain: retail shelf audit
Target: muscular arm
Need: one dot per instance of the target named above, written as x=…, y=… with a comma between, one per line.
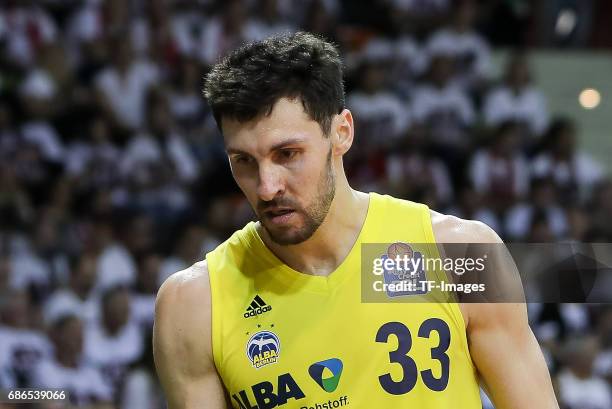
x=501, y=343
x=182, y=342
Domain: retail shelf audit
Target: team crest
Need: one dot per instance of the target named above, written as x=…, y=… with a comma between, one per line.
x=263, y=349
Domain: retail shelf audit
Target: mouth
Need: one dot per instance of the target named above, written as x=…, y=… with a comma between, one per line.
x=279, y=215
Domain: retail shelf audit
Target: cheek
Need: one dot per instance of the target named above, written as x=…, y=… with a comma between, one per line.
x=304, y=179
x=245, y=179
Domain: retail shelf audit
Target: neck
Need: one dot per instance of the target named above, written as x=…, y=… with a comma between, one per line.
x=331, y=243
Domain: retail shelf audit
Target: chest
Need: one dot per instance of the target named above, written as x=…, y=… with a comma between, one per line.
x=311, y=349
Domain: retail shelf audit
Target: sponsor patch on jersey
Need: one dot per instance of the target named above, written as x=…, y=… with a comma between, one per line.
x=327, y=373
x=257, y=307
x=410, y=272
x=263, y=349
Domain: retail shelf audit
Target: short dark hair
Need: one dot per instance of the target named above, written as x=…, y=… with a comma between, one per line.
x=250, y=80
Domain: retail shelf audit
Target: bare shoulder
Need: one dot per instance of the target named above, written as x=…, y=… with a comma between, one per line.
x=190, y=282
x=452, y=229
x=182, y=295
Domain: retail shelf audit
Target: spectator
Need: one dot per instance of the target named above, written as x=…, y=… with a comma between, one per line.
x=520, y=218
x=123, y=86
x=21, y=347
x=573, y=171
x=28, y=26
x=142, y=389
x=382, y=119
x=444, y=110
x=410, y=169
x=115, y=341
x=66, y=370
x=320, y=20
x=601, y=208
x=32, y=267
x=192, y=243
x=469, y=204
x=517, y=99
x=500, y=171
x=380, y=115
x=115, y=265
x=38, y=93
x=78, y=298
x=579, y=387
x=93, y=162
x=143, y=298
x=186, y=104
x=269, y=22
x=224, y=33
x=469, y=49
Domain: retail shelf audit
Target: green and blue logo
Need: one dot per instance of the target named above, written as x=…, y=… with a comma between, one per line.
x=327, y=373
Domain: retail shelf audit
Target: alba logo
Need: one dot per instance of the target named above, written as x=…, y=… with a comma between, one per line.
x=327, y=373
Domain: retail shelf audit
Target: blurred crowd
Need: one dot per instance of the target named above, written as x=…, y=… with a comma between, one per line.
x=113, y=173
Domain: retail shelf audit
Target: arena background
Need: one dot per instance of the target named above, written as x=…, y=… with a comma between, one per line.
x=113, y=174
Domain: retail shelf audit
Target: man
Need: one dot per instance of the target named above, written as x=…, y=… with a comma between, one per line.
x=67, y=369
x=273, y=316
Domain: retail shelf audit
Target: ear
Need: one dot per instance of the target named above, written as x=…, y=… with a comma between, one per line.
x=342, y=132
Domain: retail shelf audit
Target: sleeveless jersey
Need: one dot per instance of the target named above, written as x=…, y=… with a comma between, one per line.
x=286, y=339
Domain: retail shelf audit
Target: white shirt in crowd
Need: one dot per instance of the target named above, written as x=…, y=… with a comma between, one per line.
x=141, y=391
x=98, y=160
x=45, y=138
x=21, y=350
x=410, y=55
x=257, y=29
x=143, y=309
x=583, y=169
x=590, y=393
x=447, y=111
x=127, y=94
x=470, y=48
x=485, y=168
x=143, y=149
x=85, y=24
x=527, y=106
x=428, y=100
x=27, y=269
x=214, y=42
x=65, y=302
x=115, y=267
x=431, y=172
x=186, y=29
x=84, y=385
x=383, y=113
x=16, y=27
x=518, y=220
x=113, y=354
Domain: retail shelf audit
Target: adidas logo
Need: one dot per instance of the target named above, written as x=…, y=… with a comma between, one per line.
x=258, y=306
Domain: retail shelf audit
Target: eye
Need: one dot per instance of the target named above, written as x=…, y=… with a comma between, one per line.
x=288, y=154
x=242, y=159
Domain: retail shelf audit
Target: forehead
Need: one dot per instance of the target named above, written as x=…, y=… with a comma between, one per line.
x=288, y=120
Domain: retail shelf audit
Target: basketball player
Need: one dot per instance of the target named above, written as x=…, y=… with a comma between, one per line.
x=273, y=316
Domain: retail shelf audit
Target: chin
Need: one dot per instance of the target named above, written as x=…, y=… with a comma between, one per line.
x=286, y=236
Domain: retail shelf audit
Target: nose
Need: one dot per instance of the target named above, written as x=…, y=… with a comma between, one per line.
x=269, y=184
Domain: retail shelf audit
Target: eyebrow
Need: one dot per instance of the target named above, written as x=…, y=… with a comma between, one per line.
x=277, y=146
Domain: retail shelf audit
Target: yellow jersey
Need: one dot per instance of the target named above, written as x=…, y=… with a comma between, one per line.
x=286, y=339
